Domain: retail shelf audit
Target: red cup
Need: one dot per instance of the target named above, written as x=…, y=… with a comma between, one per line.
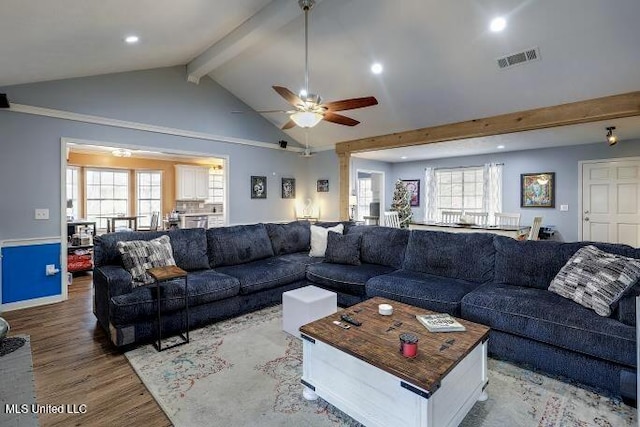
x=408, y=345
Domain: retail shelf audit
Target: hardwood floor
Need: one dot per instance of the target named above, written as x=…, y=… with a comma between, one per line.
x=75, y=363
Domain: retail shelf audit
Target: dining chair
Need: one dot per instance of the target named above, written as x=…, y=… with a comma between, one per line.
x=155, y=216
x=535, y=228
x=391, y=219
x=507, y=219
x=478, y=218
x=451, y=217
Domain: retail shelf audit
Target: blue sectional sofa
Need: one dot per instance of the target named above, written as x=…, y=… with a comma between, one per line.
x=493, y=280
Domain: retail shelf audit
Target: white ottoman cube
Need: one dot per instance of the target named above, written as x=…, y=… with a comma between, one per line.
x=305, y=305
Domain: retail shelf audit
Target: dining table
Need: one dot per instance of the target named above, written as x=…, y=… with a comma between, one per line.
x=131, y=220
x=515, y=232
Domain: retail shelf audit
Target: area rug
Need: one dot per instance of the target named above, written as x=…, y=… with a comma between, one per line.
x=17, y=385
x=246, y=371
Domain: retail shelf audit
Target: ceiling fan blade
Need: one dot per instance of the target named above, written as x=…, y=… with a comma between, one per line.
x=351, y=104
x=288, y=125
x=291, y=97
x=339, y=119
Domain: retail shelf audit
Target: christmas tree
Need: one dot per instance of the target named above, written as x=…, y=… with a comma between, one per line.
x=401, y=204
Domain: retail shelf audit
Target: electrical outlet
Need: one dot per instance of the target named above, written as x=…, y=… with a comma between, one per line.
x=564, y=208
x=42, y=214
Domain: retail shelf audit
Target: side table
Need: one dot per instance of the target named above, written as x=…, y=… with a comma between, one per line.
x=164, y=274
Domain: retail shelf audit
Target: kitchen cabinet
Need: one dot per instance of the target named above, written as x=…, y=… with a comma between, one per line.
x=192, y=182
x=215, y=220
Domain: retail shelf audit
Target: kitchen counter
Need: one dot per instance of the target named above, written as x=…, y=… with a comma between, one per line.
x=201, y=214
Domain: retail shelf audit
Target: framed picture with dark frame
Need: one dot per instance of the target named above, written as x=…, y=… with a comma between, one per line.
x=288, y=188
x=258, y=187
x=322, y=186
x=538, y=190
x=413, y=187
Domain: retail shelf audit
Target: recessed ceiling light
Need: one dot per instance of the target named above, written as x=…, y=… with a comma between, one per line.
x=500, y=147
x=498, y=24
x=403, y=157
x=376, y=68
x=132, y=39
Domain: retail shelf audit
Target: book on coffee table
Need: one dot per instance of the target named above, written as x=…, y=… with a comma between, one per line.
x=440, y=322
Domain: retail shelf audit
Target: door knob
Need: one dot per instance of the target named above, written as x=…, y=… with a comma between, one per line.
x=586, y=219
x=586, y=211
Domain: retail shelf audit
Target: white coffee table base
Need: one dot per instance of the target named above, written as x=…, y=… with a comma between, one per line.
x=374, y=397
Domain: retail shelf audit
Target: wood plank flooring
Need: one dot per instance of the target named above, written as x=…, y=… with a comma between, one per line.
x=75, y=363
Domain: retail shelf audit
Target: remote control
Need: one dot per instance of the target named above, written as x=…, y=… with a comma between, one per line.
x=342, y=325
x=350, y=319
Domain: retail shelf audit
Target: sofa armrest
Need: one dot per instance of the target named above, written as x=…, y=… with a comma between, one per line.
x=114, y=278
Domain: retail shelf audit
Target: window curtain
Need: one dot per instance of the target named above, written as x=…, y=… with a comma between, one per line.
x=492, y=194
x=430, y=195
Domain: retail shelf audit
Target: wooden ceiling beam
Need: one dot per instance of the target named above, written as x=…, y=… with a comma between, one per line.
x=606, y=108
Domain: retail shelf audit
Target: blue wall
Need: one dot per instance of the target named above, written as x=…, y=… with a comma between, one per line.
x=563, y=161
x=23, y=272
x=30, y=163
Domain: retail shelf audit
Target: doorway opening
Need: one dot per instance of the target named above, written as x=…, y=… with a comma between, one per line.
x=370, y=196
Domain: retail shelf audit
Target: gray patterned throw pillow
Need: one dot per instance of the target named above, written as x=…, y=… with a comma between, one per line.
x=596, y=279
x=140, y=255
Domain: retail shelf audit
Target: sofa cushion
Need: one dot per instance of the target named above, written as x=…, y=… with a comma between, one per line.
x=264, y=274
x=466, y=256
x=343, y=249
x=327, y=224
x=238, y=244
x=190, y=248
x=319, y=239
x=441, y=294
x=534, y=263
x=105, y=249
x=140, y=255
x=289, y=238
x=382, y=245
x=204, y=286
x=301, y=258
x=596, y=279
x=349, y=279
x=626, y=311
x=543, y=316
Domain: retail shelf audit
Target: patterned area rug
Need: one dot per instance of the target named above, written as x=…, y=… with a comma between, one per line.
x=246, y=372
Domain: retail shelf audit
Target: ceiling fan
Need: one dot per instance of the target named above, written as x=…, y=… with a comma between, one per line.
x=309, y=109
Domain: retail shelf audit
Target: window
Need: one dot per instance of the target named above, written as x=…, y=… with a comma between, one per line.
x=148, y=195
x=73, y=196
x=365, y=197
x=460, y=189
x=216, y=186
x=107, y=194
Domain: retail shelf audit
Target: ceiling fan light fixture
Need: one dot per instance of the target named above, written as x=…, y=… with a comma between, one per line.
x=306, y=119
x=120, y=152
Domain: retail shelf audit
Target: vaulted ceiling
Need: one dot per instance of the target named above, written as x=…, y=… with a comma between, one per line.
x=439, y=57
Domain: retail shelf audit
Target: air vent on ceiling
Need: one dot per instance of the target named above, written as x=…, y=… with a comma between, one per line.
x=525, y=56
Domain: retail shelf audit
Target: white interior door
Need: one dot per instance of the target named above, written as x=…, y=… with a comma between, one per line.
x=611, y=202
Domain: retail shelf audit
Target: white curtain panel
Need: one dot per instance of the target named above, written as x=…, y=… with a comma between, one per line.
x=492, y=195
x=430, y=195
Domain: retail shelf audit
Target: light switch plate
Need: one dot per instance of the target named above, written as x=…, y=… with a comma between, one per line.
x=564, y=208
x=42, y=214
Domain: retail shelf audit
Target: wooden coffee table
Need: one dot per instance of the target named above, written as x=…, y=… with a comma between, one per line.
x=361, y=371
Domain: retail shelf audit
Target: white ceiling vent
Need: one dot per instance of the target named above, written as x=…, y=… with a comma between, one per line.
x=523, y=57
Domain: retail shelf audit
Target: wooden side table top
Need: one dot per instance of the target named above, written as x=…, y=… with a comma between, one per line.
x=160, y=274
x=376, y=341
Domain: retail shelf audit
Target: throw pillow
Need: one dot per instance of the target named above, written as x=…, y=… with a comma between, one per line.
x=343, y=248
x=140, y=255
x=319, y=238
x=596, y=279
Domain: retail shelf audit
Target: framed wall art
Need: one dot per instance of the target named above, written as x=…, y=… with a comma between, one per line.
x=413, y=187
x=288, y=188
x=538, y=190
x=258, y=187
x=322, y=186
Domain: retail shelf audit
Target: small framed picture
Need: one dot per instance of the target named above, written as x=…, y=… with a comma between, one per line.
x=322, y=186
x=413, y=187
x=288, y=188
x=258, y=187
x=538, y=190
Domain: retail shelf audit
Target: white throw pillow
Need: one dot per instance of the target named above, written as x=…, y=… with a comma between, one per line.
x=319, y=238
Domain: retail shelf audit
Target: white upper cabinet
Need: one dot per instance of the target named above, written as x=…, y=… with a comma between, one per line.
x=192, y=182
